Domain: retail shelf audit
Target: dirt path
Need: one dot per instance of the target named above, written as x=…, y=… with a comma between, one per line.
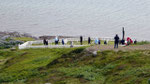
x=123, y=48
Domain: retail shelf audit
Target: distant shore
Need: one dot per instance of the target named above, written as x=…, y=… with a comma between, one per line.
x=41, y=37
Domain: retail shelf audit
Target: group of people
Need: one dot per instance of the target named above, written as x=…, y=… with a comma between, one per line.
x=123, y=42
x=63, y=41
x=117, y=41
x=97, y=41
x=45, y=42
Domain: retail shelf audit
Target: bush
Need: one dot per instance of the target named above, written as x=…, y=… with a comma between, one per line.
x=9, y=44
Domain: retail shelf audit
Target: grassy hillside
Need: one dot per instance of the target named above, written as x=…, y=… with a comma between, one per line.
x=74, y=66
x=23, y=64
x=23, y=39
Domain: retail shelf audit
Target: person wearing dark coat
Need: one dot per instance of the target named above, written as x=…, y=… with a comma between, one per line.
x=105, y=42
x=81, y=40
x=116, y=38
x=89, y=40
x=99, y=42
x=44, y=41
x=56, y=40
x=122, y=42
x=135, y=42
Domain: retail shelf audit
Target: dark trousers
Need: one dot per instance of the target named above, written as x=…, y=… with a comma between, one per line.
x=63, y=43
x=56, y=42
x=89, y=42
x=116, y=45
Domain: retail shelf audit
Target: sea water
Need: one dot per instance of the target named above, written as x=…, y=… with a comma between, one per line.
x=95, y=18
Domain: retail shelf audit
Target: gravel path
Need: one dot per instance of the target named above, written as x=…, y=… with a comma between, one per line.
x=123, y=48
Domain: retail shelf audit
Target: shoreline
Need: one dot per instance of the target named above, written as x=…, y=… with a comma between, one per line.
x=20, y=34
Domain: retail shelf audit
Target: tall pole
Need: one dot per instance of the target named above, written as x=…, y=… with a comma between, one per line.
x=123, y=37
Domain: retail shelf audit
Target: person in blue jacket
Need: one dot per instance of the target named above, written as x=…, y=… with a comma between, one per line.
x=63, y=43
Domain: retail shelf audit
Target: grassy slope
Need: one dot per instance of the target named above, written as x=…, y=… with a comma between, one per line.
x=107, y=68
x=23, y=39
x=23, y=64
x=75, y=66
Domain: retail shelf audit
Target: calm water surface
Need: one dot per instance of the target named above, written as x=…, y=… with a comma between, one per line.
x=96, y=18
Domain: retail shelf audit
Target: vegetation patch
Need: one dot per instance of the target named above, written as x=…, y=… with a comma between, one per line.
x=74, y=66
x=24, y=64
x=143, y=42
x=23, y=38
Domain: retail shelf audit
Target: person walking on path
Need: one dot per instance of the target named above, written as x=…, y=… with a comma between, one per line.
x=116, y=38
x=81, y=40
x=89, y=40
x=63, y=43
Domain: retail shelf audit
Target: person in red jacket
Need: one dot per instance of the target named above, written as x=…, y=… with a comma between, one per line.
x=129, y=41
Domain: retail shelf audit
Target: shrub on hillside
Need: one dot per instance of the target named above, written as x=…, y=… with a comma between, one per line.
x=9, y=44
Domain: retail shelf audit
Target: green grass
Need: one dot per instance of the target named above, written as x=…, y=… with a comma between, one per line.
x=23, y=64
x=23, y=39
x=74, y=66
x=143, y=42
x=109, y=66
